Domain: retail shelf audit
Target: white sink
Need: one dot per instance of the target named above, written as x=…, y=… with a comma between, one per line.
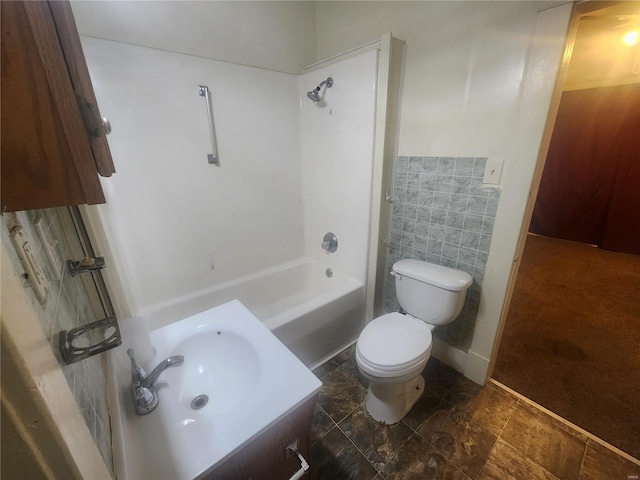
x=220, y=365
x=237, y=379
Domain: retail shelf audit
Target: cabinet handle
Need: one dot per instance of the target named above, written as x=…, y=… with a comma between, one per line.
x=304, y=466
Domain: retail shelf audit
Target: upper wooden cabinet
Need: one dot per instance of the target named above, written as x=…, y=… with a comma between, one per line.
x=53, y=144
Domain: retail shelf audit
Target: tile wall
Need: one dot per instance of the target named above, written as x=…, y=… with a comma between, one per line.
x=67, y=306
x=443, y=214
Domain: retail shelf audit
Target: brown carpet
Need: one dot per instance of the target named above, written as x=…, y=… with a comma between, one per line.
x=571, y=341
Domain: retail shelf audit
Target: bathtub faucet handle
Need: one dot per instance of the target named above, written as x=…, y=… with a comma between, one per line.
x=329, y=242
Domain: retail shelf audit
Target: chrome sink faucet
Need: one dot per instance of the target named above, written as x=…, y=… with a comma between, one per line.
x=143, y=386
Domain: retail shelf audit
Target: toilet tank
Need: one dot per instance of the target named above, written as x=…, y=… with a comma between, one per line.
x=430, y=292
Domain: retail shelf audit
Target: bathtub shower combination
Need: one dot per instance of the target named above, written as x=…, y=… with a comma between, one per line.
x=184, y=235
x=286, y=221
x=312, y=313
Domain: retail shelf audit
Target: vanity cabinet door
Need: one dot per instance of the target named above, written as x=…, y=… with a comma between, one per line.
x=52, y=152
x=266, y=458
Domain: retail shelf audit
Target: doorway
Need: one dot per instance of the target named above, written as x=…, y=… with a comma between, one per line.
x=570, y=338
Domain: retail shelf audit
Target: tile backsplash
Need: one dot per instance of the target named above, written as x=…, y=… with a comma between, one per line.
x=67, y=306
x=443, y=214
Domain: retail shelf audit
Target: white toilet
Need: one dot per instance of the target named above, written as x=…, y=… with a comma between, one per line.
x=393, y=349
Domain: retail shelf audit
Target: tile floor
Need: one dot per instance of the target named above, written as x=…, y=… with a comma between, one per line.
x=457, y=430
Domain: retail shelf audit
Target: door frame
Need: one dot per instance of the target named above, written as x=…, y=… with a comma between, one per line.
x=579, y=10
x=544, y=71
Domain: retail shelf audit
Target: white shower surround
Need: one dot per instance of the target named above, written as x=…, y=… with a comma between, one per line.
x=337, y=138
x=290, y=171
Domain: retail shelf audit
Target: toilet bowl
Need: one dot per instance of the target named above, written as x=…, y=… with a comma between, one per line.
x=393, y=349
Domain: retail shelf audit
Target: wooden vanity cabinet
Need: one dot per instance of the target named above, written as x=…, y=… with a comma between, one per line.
x=266, y=458
x=53, y=145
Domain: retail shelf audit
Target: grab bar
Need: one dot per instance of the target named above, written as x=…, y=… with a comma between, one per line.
x=211, y=157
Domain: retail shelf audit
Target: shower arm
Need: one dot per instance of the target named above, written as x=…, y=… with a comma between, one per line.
x=328, y=82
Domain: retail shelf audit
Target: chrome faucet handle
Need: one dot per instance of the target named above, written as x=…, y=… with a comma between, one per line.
x=142, y=396
x=145, y=400
x=137, y=372
x=143, y=386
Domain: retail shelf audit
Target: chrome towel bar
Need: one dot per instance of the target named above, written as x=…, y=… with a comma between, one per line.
x=212, y=157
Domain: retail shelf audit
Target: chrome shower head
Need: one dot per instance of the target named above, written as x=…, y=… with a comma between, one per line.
x=314, y=95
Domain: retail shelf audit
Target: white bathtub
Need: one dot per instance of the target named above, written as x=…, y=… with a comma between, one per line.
x=313, y=315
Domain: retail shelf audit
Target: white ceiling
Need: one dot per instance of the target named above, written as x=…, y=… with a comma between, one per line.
x=599, y=58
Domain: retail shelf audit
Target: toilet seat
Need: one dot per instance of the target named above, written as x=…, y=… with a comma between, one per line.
x=393, y=344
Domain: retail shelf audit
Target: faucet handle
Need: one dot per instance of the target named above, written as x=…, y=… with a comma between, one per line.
x=137, y=372
x=142, y=395
x=144, y=399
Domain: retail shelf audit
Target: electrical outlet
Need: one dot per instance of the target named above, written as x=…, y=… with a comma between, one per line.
x=35, y=274
x=493, y=171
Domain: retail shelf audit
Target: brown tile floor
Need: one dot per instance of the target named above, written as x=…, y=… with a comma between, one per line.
x=457, y=430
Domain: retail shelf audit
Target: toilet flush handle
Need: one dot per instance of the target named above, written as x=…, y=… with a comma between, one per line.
x=395, y=275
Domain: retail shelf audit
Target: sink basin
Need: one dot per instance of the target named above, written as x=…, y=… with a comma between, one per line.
x=220, y=365
x=236, y=381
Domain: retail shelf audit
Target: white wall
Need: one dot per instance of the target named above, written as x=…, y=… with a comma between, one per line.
x=478, y=82
x=463, y=85
x=337, y=161
x=167, y=209
x=465, y=62
x=278, y=36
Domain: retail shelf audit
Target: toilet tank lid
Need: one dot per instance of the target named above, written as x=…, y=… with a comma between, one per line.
x=436, y=275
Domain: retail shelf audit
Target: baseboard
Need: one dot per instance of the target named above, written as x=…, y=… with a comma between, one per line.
x=477, y=368
x=448, y=354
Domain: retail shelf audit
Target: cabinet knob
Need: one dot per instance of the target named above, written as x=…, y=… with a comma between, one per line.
x=96, y=126
x=106, y=126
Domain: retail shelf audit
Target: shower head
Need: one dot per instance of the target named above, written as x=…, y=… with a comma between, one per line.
x=314, y=95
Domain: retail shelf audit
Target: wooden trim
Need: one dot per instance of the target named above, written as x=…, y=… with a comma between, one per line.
x=81, y=80
x=52, y=58
x=47, y=156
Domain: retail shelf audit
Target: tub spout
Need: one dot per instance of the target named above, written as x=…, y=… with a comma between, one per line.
x=143, y=387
